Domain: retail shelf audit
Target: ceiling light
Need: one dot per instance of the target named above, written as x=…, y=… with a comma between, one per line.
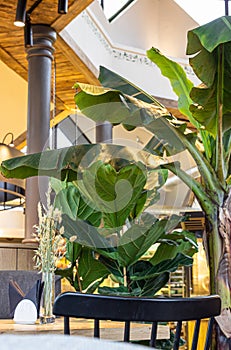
x=20, y=14
x=63, y=6
x=12, y=191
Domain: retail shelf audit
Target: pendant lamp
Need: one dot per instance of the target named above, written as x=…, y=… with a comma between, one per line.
x=12, y=191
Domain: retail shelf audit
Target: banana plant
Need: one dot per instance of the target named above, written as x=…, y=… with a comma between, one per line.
x=208, y=108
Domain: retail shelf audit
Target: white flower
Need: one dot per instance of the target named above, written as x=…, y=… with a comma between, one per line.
x=61, y=230
x=72, y=238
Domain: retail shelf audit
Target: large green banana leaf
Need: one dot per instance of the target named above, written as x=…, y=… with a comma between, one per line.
x=210, y=46
x=172, y=138
x=180, y=83
x=68, y=163
x=114, y=81
x=212, y=49
x=117, y=107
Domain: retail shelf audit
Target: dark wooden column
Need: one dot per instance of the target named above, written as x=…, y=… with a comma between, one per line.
x=39, y=57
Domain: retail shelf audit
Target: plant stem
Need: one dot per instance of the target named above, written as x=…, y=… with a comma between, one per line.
x=78, y=279
x=219, y=139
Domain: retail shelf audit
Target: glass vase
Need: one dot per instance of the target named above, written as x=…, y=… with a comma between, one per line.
x=46, y=311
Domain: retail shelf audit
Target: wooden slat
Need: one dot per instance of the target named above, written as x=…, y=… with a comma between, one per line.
x=7, y=259
x=25, y=259
x=11, y=62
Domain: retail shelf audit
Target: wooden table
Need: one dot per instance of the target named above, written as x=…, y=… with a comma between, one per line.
x=109, y=330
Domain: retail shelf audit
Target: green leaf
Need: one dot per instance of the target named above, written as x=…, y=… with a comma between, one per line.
x=180, y=83
x=90, y=269
x=114, y=193
x=65, y=273
x=102, y=97
x=70, y=201
x=114, y=81
x=57, y=185
x=209, y=35
x=147, y=286
x=69, y=164
x=210, y=45
x=84, y=234
x=115, y=269
x=153, y=285
x=139, y=238
x=121, y=291
x=65, y=163
x=178, y=242
x=138, y=113
x=168, y=265
x=73, y=251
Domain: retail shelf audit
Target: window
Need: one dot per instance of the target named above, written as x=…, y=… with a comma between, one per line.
x=113, y=8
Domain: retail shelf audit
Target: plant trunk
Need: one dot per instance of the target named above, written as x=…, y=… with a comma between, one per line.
x=219, y=255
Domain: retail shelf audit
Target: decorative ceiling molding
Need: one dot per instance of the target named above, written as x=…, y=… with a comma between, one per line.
x=121, y=53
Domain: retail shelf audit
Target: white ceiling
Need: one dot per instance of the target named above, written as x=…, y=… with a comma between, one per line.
x=209, y=9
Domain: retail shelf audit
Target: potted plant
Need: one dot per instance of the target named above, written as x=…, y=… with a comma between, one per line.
x=104, y=216
x=107, y=236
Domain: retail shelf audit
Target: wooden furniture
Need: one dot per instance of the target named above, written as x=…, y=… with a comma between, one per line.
x=129, y=309
x=81, y=327
x=16, y=256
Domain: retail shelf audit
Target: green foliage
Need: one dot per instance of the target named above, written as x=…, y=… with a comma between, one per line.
x=123, y=253
x=118, y=246
x=180, y=83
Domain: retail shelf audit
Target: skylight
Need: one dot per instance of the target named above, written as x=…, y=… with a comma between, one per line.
x=203, y=11
x=113, y=8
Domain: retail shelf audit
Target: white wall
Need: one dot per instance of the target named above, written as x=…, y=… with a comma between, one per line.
x=13, y=101
x=91, y=36
x=146, y=23
x=174, y=24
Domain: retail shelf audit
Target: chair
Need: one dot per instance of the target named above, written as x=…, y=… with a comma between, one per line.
x=129, y=309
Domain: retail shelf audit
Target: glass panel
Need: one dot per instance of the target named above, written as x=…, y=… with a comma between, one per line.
x=111, y=7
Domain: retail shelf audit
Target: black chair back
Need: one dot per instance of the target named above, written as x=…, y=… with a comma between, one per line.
x=133, y=309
